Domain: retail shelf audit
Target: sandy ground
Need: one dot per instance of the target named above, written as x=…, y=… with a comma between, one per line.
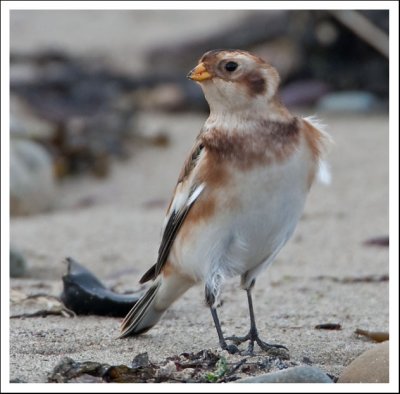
x=118, y=237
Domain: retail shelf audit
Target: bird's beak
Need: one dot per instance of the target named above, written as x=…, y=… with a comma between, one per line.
x=199, y=73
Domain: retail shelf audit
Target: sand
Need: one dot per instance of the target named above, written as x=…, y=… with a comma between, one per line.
x=118, y=237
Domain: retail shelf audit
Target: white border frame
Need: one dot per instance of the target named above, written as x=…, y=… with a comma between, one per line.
x=393, y=386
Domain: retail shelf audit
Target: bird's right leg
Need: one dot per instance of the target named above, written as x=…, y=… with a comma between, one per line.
x=210, y=299
x=252, y=336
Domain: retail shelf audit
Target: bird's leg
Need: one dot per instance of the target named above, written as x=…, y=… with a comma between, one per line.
x=210, y=298
x=229, y=348
x=252, y=335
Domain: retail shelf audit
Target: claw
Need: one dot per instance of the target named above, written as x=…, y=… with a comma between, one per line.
x=238, y=340
x=268, y=346
x=253, y=337
x=250, y=348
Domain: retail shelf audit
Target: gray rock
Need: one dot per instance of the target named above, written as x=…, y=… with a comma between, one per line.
x=32, y=182
x=371, y=366
x=349, y=101
x=303, y=374
x=17, y=263
x=24, y=123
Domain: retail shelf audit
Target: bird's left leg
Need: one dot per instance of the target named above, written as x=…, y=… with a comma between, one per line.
x=252, y=336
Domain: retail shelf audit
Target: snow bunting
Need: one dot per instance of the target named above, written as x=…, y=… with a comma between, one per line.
x=239, y=195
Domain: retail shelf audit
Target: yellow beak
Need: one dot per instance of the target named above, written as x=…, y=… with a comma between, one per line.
x=199, y=73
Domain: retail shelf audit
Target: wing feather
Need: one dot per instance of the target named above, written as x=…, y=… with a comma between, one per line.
x=186, y=194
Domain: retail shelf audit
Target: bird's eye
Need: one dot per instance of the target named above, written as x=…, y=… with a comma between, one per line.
x=231, y=66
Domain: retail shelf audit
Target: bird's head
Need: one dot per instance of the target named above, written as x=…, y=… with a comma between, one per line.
x=235, y=80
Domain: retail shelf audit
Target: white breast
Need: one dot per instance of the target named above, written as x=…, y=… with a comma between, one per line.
x=255, y=218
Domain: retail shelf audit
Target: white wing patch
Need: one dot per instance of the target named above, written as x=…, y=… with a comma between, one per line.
x=196, y=193
x=182, y=199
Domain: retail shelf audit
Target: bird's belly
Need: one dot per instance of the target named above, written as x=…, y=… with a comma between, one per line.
x=253, y=219
x=262, y=231
x=271, y=202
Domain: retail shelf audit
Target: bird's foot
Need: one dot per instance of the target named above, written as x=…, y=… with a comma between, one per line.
x=238, y=340
x=253, y=337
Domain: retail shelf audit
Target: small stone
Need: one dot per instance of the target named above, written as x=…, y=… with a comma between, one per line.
x=303, y=374
x=17, y=263
x=372, y=366
x=141, y=360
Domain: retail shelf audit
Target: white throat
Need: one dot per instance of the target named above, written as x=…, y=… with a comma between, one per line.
x=246, y=119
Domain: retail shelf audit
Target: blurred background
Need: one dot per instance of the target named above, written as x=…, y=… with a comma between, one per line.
x=102, y=118
x=92, y=90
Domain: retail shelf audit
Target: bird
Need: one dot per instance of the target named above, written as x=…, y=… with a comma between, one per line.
x=239, y=195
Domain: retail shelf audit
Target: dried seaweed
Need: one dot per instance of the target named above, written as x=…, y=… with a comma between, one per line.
x=201, y=367
x=328, y=326
x=356, y=279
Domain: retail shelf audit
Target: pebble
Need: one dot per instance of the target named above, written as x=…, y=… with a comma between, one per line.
x=32, y=182
x=349, y=101
x=302, y=374
x=372, y=366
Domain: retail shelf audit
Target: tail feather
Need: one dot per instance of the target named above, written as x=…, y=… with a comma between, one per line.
x=143, y=315
x=148, y=310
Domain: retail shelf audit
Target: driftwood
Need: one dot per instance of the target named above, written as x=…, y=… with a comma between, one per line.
x=364, y=29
